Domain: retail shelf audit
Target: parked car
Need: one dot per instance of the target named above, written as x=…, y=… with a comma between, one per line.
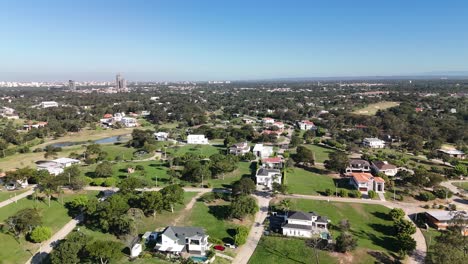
x=219, y=248
x=230, y=245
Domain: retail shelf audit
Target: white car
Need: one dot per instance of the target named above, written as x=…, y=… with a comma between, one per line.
x=230, y=245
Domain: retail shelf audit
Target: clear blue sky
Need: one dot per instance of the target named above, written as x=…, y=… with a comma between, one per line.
x=224, y=39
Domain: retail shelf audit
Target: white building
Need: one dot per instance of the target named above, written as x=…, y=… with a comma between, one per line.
x=306, y=125
x=128, y=122
x=197, y=139
x=176, y=240
x=161, y=136
x=268, y=121
x=453, y=153
x=373, y=143
x=267, y=177
x=239, y=148
x=301, y=224
x=385, y=167
x=55, y=167
x=48, y=104
x=365, y=182
x=262, y=151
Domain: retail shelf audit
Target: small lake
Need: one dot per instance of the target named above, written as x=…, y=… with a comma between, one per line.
x=107, y=140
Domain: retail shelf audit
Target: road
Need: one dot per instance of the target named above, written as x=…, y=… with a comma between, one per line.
x=246, y=250
x=461, y=203
x=18, y=197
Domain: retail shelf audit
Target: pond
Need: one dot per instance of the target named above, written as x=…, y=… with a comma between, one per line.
x=107, y=140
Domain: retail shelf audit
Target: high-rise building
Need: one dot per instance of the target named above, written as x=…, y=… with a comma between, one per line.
x=71, y=85
x=120, y=83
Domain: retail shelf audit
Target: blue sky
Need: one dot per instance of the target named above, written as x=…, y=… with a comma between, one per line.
x=224, y=39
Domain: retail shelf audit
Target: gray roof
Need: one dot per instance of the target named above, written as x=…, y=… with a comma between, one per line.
x=266, y=172
x=359, y=162
x=322, y=219
x=294, y=226
x=179, y=233
x=447, y=215
x=301, y=215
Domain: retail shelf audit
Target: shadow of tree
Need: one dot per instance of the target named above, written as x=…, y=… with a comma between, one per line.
x=381, y=215
x=381, y=257
x=221, y=212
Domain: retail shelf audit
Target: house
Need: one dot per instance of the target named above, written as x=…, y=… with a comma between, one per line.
x=248, y=121
x=306, y=125
x=11, y=185
x=161, y=136
x=107, y=116
x=128, y=122
x=453, y=153
x=266, y=177
x=57, y=166
x=176, y=240
x=262, y=151
x=8, y=113
x=373, y=143
x=365, y=182
x=239, y=148
x=30, y=125
x=276, y=133
x=302, y=224
x=48, y=104
x=268, y=121
x=442, y=219
x=197, y=139
x=384, y=167
x=358, y=165
x=272, y=163
x=279, y=125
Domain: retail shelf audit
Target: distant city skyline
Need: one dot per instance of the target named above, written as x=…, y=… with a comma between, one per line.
x=229, y=40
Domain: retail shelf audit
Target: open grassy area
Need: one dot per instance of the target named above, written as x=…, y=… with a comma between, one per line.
x=243, y=170
x=430, y=236
x=321, y=153
x=372, y=109
x=288, y=251
x=205, y=150
x=55, y=216
x=5, y=195
x=301, y=181
x=463, y=185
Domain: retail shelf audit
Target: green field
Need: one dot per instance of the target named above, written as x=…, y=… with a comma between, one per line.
x=55, y=217
x=372, y=109
x=321, y=153
x=288, y=251
x=205, y=150
x=463, y=185
x=301, y=181
x=5, y=195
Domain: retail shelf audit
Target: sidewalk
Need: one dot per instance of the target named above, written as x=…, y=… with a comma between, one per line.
x=17, y=197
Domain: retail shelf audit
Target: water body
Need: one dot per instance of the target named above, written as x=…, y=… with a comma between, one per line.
x=107, y=140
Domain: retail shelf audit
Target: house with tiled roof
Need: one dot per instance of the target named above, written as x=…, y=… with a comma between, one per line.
x=239, y=148
x=384, y=167
x=358, y=165
x=272, y=163
x=178, y=239
x=365, y=182
x=306, y=125
x=302, y=224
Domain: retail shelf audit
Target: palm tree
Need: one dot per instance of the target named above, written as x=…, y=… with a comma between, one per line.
x=285, y=205
x=48, y=193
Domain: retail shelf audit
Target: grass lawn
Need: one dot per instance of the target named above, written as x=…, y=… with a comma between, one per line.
x=463, y=185
x=429, y=236
x=372, y=109
x=321, y=153
x=55, y=216
x=205, y=150
x=301, y=181
x=5, y=195
x=417, y=160
x=287, y=251
x=243, y=170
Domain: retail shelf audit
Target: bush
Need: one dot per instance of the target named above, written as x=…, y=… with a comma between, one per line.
x=371, y=194
x=442, y=192
x=97, y=181
x=40, y=234
x=215, y=241
x=241, y=235
x=355, y=194
x=139, y=168
x=208, y=197
x=426, y=206
x=452, y=207
x=343, y=193
x=328, y=192
x=426, y=196
x=109, y=182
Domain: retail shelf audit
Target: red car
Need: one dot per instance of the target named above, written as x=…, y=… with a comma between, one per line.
x=219, y=248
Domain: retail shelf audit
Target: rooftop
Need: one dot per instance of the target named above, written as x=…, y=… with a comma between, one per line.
x=272, y=160
x=267, y=172
x=362, y=176
x=383, y=165
x=446, y=215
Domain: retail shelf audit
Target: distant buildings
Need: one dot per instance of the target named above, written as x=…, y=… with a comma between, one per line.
x=262, y=151
x=48, y=104
x=306, y=125
x=120, y=83
x=71, y=85
x=453, y=153
x=373, y=143
x=197, y=140
x=161, y=136
x=8, y=113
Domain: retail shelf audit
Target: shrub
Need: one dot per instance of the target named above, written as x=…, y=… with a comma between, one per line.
x=241, y=235
x=97, y=182
x=40, y=234
x=343, y=193
x=452, y=207
x=208, y=197
x=328, y=192
x=426, y=196
x=355, y=194
x=108, y=182
x=442, y=192
x=396, y=214
x=215, y=241
x=426, y=206
x=139, y=167
x=371, y=194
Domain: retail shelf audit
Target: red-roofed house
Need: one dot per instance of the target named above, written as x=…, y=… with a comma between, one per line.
x=268, y=121
x=279, y=125
x=272, y=163
x=365, y=182
x=306, y=125
x=108, y=116
x=271, y=132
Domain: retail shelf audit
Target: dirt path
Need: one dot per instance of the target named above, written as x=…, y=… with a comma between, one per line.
x=189, y=207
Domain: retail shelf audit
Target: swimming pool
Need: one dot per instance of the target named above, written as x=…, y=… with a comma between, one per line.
x=199, y=259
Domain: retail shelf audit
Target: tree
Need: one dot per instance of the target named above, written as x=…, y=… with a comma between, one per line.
x=404, y=227
x=337, y=161
x=151, y=202
x=70, y=250
x=104, y=251
x=24, y=221
x=304, y=155
x=244, y=186
x=228, y=141
x=405, y=244
x=295, y=141
x=94, y=153
x=103, y=170
x=78, y=204
x=242, y=206
x=172, y=194
x=442, y=192
x=345, y=242
x=284, y=205
x=280, y=188
x=345, y=225
x=241, y=235
x=396, y=214
x=460, y=169
x=40, y=234
x=129, y=185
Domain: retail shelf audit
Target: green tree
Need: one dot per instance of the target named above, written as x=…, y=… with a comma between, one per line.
x=405, y=244
x=404, y=227
x=396, y=214
x=345, y=242
x=104, y=251
x=151, y=202
x=460, y=169
x=304, y=155
x=242, y=233
x=103, y=170
x=284, y=205
x=78, y=204
x=242, y=206
x=129, y=185
x=24, y=221
x=337, y=161
x=172, y=194
x=244, y=186
x=40, y=234
x=70, y=250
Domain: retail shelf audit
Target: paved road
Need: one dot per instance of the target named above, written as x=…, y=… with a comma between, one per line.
x=18, y=197
x=47, y=247
x=462, y=204
x=246, y=250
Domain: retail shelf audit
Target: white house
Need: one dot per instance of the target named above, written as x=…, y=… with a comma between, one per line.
x=262, y=151
x=55, y=167
x=365, y=182
x=239, y=148
x=48, y=104
x=248, y=121
x=272, y=163
x=266, y=177
x=128, y=122
x=268, y=121
x=358, y=165
x=197, y=139
x=136, y=250
x=384, y=167
x=301, y=224
x=176, y=239
x=453, y=153
x=306, y=125
x=373, y=143
x=161, y=136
